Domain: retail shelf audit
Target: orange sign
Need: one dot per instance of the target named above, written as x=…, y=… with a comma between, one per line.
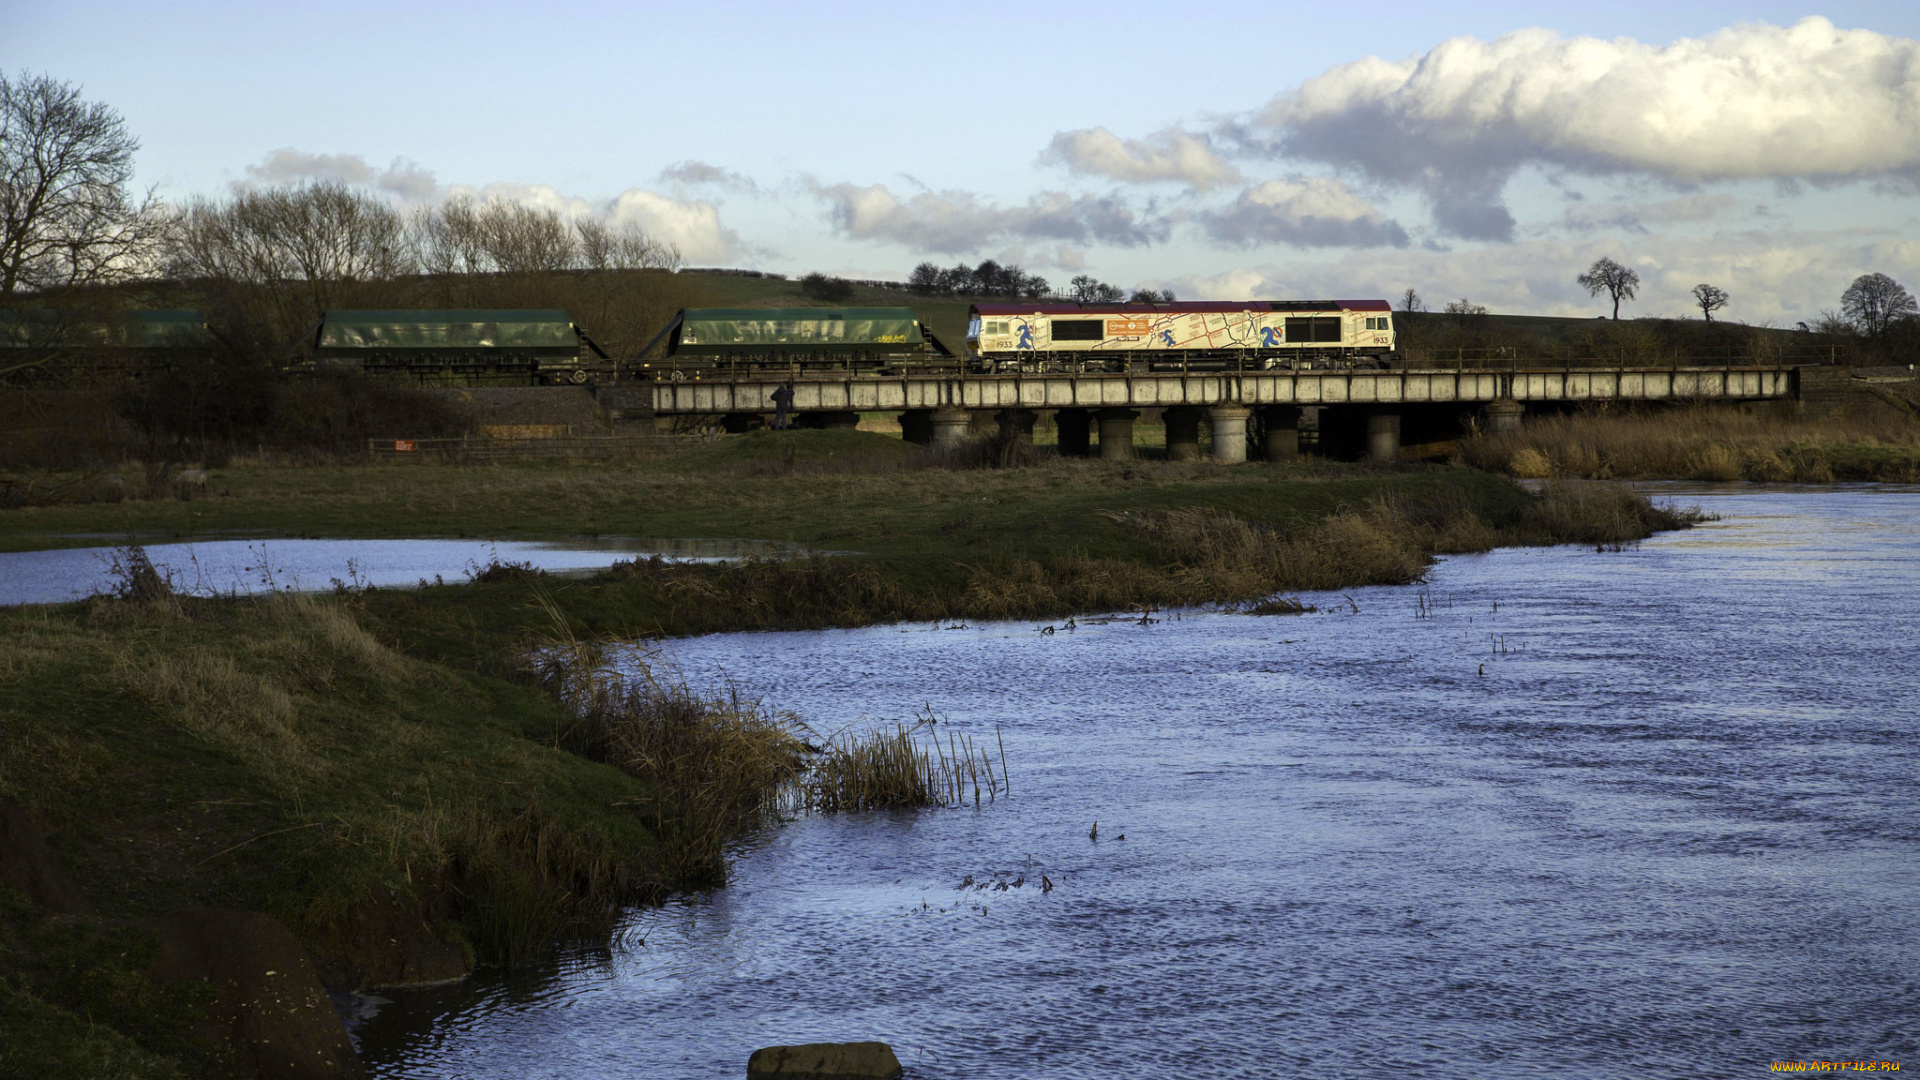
x=1128, y=328
x=403, y=444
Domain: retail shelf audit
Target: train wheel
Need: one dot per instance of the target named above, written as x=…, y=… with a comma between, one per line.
x=577, y=378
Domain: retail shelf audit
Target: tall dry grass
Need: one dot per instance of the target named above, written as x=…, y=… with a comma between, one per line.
x=717, y=762
x=1702, y=443
x=902, y=767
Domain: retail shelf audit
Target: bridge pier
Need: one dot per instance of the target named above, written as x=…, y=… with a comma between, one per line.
x=950, y=426
x=1073, y=427
x=1383, y=437
x=1183, y=432
x=1504, y=415
x=1016, y=425
x=1229, y=433
x=916, y=426
x=1116, y=434
x=1282, y=432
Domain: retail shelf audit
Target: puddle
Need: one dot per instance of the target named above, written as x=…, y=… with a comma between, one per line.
x=245, y=567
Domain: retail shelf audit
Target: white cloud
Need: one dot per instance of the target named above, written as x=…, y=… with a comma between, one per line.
x=1168, y=155
x=955, y=222
x=693, y=226
x=402, y=179
x=1803, y=102
x=1774, y=277
x=1310, y=212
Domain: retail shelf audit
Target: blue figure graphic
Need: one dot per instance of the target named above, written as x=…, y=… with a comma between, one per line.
x=1269, y=336
x=1026, y=337
x=1166, y=338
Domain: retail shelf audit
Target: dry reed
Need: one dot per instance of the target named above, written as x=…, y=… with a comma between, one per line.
x=1703, y=443
x=890, y=769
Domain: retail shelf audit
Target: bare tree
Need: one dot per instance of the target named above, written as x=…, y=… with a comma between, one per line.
x=304, y=248
x=1709, y=299
x=1610, y=277
x=67, y=217
x=1874, y=302
x=1151, y=296
x=1464, y=306
x=623, y=247
x=1087, y=289
x=1410, y=301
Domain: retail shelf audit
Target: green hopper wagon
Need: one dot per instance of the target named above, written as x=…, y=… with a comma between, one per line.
x=42, y=343
x=456, y=345
x=790, y=338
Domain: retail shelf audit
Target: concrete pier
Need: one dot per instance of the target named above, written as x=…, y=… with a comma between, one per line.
x=950, y=426
x=1116, y=434
x=1281, y=438
x=1016, y=425
x=1073, y=428
x=1383, y=437
x=1229, y=433
x=1504, y=415
x=1183, y=433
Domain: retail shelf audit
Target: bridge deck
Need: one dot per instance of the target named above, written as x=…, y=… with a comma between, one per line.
x=865, y=393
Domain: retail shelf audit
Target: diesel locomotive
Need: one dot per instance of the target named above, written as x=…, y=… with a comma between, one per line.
x=1257, y=334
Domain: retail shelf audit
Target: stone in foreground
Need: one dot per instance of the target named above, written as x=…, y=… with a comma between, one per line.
x=825, y=1061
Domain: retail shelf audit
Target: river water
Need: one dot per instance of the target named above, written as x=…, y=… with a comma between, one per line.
x=211, y=566
x=1565, y=813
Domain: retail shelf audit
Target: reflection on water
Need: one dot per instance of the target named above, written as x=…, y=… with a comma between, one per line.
x=1640, y=813
x=243, y=567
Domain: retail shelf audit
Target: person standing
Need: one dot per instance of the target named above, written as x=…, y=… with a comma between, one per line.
x=782, y=404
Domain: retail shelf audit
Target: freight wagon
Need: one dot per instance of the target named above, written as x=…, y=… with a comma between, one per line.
x=455, y=345
x=876, y=340
x=1260, y=334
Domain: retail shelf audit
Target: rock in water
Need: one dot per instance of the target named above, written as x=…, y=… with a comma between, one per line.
x=825, y=1061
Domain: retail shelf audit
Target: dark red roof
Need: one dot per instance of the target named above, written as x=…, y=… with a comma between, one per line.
x=1181, y=307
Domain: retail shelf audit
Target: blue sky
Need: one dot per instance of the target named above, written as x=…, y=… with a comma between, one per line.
x=1487, y=151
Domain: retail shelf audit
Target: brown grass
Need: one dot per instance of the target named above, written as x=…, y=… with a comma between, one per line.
x=1703, y=443
x=717, y=762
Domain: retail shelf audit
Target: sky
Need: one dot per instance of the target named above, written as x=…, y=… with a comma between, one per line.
x=1487, y=151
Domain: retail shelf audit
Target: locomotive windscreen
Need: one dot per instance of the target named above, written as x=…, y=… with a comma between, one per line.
x=1079, y=329
x=1325, y=328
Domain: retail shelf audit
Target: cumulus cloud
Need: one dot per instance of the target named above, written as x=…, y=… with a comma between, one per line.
x=1310, y=212
x=692, y=226
x=955, y=222
x=701, y=174
x=1168, y=155
x=1808, y=101
x=401, y=179
x=1773, y=276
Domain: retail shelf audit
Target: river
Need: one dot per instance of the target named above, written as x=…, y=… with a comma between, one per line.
x=1561, y=812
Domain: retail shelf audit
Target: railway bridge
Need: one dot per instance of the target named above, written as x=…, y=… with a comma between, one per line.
x=1364, y=412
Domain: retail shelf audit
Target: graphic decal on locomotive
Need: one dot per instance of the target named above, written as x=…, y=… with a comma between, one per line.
x=1182, y=336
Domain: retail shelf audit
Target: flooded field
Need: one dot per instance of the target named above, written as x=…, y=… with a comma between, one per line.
x=1567, y=813
x=217, y=567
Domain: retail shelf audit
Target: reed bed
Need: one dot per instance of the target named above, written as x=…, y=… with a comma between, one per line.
x=717, y=763
x=1702, y=443
x=902, y=768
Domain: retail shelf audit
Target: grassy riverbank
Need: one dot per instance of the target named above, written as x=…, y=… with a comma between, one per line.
x=375, y=769
x=1704, y=443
